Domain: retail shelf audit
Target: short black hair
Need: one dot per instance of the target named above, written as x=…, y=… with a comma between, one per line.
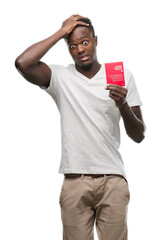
x=85, y=20
x=88, y=21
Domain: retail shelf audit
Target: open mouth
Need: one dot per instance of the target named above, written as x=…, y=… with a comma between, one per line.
x=84, y=58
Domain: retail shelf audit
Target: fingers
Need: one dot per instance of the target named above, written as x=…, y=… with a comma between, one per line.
x=70, y=23
x=116, y=95
x=116, y=88
x=76, y=17
x=116, y=92
x=82, y=23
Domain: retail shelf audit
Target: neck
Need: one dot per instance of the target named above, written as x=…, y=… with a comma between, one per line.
x=89, y=71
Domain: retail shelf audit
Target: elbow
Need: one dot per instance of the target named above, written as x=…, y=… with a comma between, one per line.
x=19, y=64
x=138, y=139
x=137, y=135
x=22, y=64
x=22, y=68
x=141, y=135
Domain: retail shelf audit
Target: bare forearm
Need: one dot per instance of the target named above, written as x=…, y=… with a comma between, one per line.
x=31, y=56
x=34, y=53
x=134, y=126
x=29, y=64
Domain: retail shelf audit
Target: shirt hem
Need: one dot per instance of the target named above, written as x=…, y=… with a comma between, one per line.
x=93, y=171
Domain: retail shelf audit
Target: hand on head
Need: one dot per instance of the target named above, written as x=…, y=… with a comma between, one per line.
x=70, y=23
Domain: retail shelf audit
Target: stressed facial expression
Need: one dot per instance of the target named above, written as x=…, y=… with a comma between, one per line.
x=82, y=46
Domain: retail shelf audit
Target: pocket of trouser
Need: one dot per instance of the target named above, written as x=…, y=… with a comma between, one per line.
x=61, y=193
x=126, y=187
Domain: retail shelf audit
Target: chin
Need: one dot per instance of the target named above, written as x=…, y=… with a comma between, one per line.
x=86, y=65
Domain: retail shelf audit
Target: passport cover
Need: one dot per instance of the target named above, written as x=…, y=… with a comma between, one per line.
x=115, y=73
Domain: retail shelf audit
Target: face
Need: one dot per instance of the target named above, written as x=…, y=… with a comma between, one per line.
x=82, y=47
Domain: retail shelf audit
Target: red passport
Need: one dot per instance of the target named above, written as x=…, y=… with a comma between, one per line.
x=115, y=73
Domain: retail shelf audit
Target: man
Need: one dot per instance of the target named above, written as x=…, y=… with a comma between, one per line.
x=95, y=185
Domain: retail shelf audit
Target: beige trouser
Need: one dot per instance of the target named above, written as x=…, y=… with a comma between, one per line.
x=86, y=199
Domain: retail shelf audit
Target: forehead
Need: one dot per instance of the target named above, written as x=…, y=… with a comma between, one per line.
x=79, y=33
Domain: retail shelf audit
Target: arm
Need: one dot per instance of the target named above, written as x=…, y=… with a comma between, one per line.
x=29, y=64
x=133, y=122
x=132, y=117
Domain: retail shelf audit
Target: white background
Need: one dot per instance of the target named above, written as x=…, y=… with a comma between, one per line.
x=127, y=31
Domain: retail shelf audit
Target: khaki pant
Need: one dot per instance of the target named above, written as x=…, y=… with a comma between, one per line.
x=103, y=200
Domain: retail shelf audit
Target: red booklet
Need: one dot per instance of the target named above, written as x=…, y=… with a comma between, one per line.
x=115, y=73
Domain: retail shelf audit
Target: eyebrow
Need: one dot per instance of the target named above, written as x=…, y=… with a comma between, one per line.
x=80, y=38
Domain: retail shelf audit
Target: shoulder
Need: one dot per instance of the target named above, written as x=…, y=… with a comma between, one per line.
x=55, y=67
x=60, y=74
x=60, y=70
x=128, y=74
x=129, y=78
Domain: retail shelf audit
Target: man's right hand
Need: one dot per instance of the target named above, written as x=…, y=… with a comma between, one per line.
x=70, y=23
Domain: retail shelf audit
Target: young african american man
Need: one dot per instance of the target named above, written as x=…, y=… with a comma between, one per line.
x=95, y=186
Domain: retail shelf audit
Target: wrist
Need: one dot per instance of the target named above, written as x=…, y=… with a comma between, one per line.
x=122, y=105
x=61, y=33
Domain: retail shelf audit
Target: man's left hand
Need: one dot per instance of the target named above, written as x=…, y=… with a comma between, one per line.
x=117, y=93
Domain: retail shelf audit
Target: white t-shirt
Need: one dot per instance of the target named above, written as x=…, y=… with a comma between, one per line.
x=90, y=134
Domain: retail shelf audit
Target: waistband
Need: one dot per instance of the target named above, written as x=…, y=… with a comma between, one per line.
x=75, y=175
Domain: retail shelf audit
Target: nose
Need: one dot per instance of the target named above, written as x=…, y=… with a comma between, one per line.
x=80, y=49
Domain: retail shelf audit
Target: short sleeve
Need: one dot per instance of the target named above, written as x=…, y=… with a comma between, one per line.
x=51, y=88
x=133, y=97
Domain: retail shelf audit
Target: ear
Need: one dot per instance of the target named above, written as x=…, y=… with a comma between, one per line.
x=96, y=41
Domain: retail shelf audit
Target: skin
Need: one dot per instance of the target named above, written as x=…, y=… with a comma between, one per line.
x=29, y=64
x=132, y=117
x=82, y=47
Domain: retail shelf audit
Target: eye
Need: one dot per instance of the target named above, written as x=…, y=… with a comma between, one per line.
x=85, y=43
x=72, y=46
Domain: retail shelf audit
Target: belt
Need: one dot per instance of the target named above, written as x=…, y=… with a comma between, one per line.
x=73, y=175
